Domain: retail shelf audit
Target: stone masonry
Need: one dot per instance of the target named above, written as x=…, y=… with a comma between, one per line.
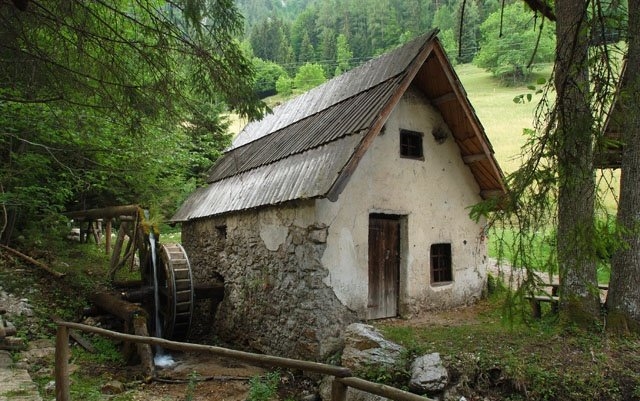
x=275, y=299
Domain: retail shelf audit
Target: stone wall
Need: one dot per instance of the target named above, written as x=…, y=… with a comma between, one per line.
x=275, y=299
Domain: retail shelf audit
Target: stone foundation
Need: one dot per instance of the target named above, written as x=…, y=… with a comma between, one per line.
x=275, y=299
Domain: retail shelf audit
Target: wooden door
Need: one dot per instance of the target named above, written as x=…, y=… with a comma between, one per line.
x=384, y=266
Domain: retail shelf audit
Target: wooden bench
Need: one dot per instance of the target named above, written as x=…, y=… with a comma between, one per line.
x=537, y=300
x=536, y=303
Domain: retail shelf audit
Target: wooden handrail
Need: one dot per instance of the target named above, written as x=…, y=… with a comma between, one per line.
x=343, y=376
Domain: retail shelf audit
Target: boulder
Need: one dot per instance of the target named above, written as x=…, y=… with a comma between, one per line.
x=365, y=348
x=428, y=374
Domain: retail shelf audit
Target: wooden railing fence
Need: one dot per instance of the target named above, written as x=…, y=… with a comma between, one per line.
x=343, y=378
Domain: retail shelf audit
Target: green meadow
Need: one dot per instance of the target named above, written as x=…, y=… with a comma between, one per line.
x=502, y=118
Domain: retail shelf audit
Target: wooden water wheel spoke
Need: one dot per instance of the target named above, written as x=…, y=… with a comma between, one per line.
x=175, y=287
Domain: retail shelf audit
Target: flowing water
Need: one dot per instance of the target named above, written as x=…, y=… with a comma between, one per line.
x=161, y=359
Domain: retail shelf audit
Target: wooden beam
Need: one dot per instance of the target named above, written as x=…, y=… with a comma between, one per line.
x=107, y=235
x=105, y=213
x=447, y=97
x=494, y=193
x=474, y=158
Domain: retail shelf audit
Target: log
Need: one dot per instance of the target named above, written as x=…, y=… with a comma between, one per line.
x=381, y=389
x=112, y=303
x=134, y=317
x=105, y=213
x=33, y=261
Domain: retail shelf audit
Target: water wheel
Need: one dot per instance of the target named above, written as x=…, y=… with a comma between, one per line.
x=175, y=292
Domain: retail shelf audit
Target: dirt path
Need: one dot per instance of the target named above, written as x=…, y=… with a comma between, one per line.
x=203, y=377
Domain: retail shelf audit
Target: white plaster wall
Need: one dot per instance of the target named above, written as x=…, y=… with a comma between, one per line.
x=434, y=194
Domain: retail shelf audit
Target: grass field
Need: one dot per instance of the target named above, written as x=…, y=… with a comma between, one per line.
x=502, y=118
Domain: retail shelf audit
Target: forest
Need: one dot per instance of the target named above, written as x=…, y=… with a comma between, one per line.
x=104, y=105
x=130, y=102
x=334, y=36
x=138, y=114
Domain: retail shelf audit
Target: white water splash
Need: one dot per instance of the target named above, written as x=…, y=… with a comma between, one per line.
x=162, y=360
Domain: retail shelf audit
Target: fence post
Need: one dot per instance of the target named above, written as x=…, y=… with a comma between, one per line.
x=62, y=364
x=338, y=390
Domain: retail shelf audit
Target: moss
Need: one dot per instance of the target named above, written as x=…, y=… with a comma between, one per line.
x=579, y=313
x=619, y=323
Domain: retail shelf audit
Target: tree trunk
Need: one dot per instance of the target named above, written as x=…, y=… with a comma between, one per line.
x=579, y=300
x=623, y=299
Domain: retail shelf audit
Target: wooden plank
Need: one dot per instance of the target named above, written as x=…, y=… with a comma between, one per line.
x=83, y=342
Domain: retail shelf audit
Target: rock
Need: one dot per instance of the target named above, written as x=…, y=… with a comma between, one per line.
x=112, y=387
x=365, y=347
x=428, y=374
x=50, y=387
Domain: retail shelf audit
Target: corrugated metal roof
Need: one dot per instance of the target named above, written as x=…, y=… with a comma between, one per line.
x=302, y=176
x=338, y=89
x=310, y=145
x=352, y=115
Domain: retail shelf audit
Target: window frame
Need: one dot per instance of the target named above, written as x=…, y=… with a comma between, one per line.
x=406, y=148
x=440, y=263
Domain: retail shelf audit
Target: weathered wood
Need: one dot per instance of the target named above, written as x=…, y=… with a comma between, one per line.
x=105, y=213
x=144, y=350
x=268, y=360
x=107, y=237
x=134, y=317
x=33, y=261
x=112, y=303
x=381, y=389
x=536, y=303
x=83, y=342
x=62, y=364
x=338, y=391
x=117, y=248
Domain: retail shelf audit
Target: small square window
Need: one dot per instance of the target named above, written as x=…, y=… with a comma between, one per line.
x=222, y=232
x=441, y=263
x=411, y=144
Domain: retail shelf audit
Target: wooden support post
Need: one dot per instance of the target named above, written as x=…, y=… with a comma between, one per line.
x=107, y=239
x=144, y=350
x=62, y=364
x=338, y=390
x=117, y=248
x=536, y=308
